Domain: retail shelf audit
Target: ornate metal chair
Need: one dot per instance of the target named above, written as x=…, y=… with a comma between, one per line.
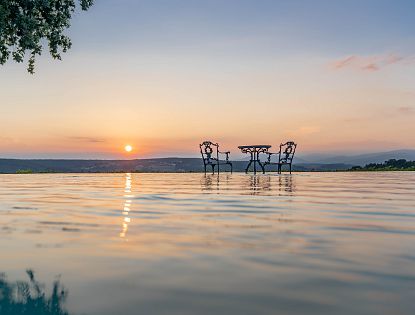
x=285, y=155
x=211, y=156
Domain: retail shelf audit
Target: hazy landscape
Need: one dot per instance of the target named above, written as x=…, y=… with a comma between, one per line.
x=312, y=162
x=116, y=116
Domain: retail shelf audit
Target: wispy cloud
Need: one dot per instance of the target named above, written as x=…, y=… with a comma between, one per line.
x=371, y=63
x=86, y=139
x=406, y=110
x=303, y=131
x=4, y=139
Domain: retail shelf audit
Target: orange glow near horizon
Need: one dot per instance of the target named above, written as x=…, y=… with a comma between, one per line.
x=223, y=80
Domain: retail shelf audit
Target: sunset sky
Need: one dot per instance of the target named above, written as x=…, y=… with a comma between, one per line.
x=334, y=76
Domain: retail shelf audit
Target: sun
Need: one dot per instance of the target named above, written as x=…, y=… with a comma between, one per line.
x=128, y=148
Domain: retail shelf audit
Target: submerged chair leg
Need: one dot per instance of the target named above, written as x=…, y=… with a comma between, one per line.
x=262, y=167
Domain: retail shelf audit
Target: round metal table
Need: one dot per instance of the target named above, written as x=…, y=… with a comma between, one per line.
x=255, y=150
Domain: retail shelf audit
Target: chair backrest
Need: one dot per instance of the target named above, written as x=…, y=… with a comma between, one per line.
x=287, y=151
x=209, y=151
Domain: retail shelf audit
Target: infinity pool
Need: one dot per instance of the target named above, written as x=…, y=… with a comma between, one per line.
x=310, y=243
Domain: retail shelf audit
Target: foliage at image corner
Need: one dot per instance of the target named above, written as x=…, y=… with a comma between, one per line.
x=30, y=298
x=25, y=24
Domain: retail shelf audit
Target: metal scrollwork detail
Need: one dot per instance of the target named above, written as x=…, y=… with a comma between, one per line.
x=285, y=155
x=211, y=156
x=254, y=151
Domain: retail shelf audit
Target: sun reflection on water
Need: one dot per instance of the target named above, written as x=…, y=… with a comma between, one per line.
x=127, y=205
x=301, y=243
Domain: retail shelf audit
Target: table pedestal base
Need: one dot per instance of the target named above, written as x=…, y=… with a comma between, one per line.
x=255, y=159
x=254, y=151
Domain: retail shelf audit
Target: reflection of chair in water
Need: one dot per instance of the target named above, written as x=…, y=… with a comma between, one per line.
x=285, y=155
x=211, y=156
x=286, y=183
x=208, y=181
x=29, y=297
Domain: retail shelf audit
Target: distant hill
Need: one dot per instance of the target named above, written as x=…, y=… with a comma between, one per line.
x=95, y=166
x=139, y=165
x=361, y=159
x=309, y=162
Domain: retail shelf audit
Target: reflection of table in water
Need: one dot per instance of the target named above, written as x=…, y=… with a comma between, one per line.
x=254, y=150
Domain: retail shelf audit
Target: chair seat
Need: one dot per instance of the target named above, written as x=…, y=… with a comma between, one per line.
x=213, y=157
x=284, y=156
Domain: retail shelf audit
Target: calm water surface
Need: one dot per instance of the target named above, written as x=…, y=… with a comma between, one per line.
x=310, y=243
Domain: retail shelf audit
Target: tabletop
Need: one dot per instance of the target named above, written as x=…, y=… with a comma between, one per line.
x=255, y=146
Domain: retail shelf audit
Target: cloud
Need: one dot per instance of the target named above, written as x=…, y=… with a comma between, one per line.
x=370, y=63
x=406, y=110
x=4, y=139
x=344, y=62
x=87, y=139
x=371, y=67
x=303, y=131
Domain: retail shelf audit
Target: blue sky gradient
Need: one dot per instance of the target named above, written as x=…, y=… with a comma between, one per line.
x=148, y=72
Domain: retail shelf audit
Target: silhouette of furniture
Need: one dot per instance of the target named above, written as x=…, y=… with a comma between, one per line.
x=254, y=151
x=285, y=156
x=211, y=156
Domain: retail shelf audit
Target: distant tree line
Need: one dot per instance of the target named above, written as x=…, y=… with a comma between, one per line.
x=390, y=165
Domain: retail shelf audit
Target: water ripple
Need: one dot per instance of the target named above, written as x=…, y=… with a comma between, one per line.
x=310, y=243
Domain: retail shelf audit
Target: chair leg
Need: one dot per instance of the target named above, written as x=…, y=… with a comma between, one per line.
x=213, y=168
x=263, y=167
x=231, y=167
x=290, y=168
x=205, y=168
